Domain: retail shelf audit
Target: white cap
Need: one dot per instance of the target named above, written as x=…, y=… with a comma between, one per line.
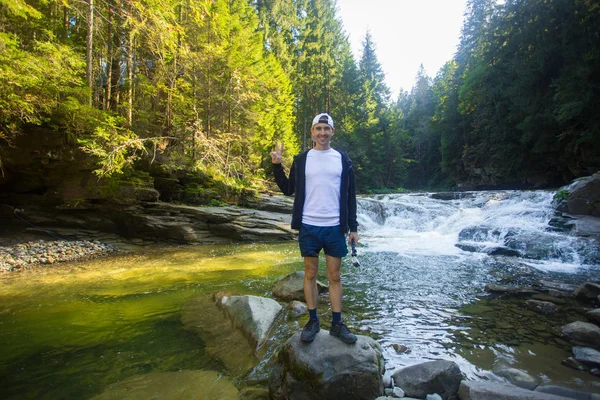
x=323, y=118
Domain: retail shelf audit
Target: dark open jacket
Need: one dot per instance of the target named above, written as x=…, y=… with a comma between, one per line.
x=296, y=183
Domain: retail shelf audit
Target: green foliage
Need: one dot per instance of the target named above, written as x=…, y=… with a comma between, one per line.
x=561, y=195
x=208, y=87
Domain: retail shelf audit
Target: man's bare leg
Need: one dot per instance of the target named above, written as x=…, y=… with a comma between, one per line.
x=311, y=268
x=335, y=283
x=338, y=329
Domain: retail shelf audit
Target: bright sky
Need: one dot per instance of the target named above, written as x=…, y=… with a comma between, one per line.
x=406, y=33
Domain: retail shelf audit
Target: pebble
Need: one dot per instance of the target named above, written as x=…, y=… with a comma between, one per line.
x=24, y=255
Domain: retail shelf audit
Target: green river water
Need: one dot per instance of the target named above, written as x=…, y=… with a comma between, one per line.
x=131, y=326
x=69, y=331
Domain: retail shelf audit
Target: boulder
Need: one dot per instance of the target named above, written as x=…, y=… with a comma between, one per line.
x=328, y=369
x=582, y=333
x=486, y=390
x=291, y=287
x=594, y=315
x=566, y=392
x=589, y=291
x=544, y=307
x=252, y=314
x=518, y=377
x=587, y=356
x=440, y=376
x=584, y=196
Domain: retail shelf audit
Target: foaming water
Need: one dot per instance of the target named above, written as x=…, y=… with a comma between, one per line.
x=425, y=263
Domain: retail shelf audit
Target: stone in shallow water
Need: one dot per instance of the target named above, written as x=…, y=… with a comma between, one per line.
x=587, y=356
x=582, y=333
x=181, y=385
x=544, y=307
x=440, y=376
x=518, y=377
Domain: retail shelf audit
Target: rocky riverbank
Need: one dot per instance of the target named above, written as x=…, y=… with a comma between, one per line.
x=39, y=253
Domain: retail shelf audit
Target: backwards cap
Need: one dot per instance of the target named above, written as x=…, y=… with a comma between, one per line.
x=323, y=118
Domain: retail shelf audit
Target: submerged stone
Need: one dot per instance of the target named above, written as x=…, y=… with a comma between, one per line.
x=201, y=385
x=518, y=377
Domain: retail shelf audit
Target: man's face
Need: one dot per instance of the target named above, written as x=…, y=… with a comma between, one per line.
x=321, y=134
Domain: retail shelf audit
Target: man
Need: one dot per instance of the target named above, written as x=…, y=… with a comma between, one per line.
x=324, y=211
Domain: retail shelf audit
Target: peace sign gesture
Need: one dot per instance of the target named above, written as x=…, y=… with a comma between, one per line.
x=276, y=155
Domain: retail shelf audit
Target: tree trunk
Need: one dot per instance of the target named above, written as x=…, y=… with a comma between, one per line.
x=130, y=68
x=90, y=41
x=110, y=56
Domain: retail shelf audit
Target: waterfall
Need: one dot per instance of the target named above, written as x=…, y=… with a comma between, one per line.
x=509, y=223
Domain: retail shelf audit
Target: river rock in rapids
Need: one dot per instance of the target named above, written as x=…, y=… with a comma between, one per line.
x=327, y=369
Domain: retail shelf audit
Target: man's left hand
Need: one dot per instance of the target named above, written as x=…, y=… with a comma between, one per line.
x=353, y=237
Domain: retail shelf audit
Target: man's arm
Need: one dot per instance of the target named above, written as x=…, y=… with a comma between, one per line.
x=286, y=185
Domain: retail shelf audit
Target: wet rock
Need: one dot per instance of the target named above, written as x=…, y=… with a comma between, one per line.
x=252, y=314
x=387, y=381
x=587, y=356
x=328, y=369
x=493, y=288
x=291, y=287
x=486, y=390
x=594, y=315
x=559, y=293
x=173, y=385
x=452, y=195
x=434, y=396
x=441, y=376
x=589, y=291
x=400, y=348
x=566, y=392
x=584, y=196
x=502, y=251
x=518, y=377
x=397, y=392
x=469, y=247
x=544, y=307
x=297, y=308
x=574, y=364
x=582, y=333
x=545, y=297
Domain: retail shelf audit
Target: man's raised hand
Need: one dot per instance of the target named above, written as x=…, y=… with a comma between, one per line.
x=276, y=155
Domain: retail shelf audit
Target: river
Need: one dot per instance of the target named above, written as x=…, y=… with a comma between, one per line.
x=72, y=331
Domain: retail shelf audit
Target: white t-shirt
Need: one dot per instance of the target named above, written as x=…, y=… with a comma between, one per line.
x=323, y=181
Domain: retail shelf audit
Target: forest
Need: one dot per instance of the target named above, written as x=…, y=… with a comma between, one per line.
x=166, y=88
